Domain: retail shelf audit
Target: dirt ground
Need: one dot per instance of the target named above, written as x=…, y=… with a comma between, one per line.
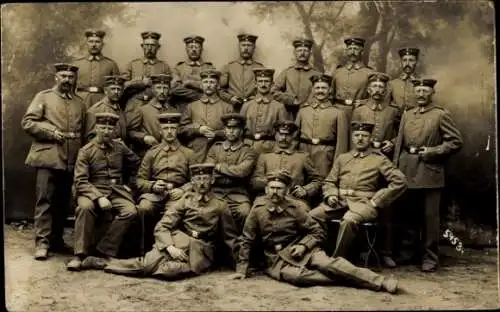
x=467, y=281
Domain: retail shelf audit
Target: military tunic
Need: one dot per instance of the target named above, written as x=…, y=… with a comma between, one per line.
x=102, y=170
x=54, y=161
x=354, y=182
x=324, y=133
x=190, y=224
x=205, y=112
x=261, y=114
x=432, y=127
x=234, y=166
x=283, y=226
x=402, y=92
x=298, y=164
x=237, y=79
x=105, y=106
x=91, y=72
x=293, y=83
x=187, y=81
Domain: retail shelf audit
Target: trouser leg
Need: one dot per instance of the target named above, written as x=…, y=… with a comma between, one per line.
x=110, y=243
x=386, y=217
x=85, y=216
x=409, y=215
x=348, y=230
x=149, y=213
x=324, y=215
x=140, y=266
x=60, y=206
x=45, y=187
x=302, y=276
x=340, y=267
x=432, y=199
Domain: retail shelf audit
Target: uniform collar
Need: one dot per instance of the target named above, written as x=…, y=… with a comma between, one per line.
x=171, y=147
x=102, y=145
x=66, y=96
x=314, y=103
x=205, y=99
x=405, y=76
x=194, y=63
x=203, y=198
x=114, y=106
x=96, y=57
x=299, y=66
x=359, y=154
x=226, y=145
x=278, y=208
x=279, y=150
x=262, y=99
x=423, y=109
x=150, y=61
x=154, y=102
x=356, y=66
x=245, y=62
x=376, y=106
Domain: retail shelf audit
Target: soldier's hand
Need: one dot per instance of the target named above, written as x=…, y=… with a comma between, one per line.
x=207, y=132
x=159, y=186
x=236, y=276
x=424, y=152
x=297, y=251
x=176, y=253
x=176, y=193
x=387, y=147
x=331, y=201
x=150, y=140
x=146, y=81
x=104, y=203
x=236, y=100
x=59, y=136
x=299, y=192
x=296, y=102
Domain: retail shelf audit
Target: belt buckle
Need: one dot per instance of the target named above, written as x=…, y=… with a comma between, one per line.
x=376, y=144
x=257, y=136
x=348, y=102
x=315, y=141
x=413, y=150
x=278, y=247
x=350, y=192
x=93, y=89
x=112, y=181
x=195, y=234
x=145, y=97
x=170, y=186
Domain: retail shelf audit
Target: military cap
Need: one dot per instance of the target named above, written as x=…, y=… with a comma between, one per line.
x=285, y=126
x=106, y=119
x=355, y=40
x=193, y=38
x=161, y=78
x=233, y=120
x=247, y=37
x=362, y=126
x=115, y=80
x=409, y=51
x=424, y=83
x=263, y=72
x=283, y=176
x=210, y=73
x=150, y=34
x=200, y=169
x=169, y=118
x=321, y=78
x=65, y=67
x=303, y=42
x=95, y=33
x=382, y=77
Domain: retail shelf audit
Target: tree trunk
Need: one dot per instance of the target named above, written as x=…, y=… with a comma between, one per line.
x=318, y=60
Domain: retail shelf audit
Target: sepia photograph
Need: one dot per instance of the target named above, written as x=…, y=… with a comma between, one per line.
x=250, y=156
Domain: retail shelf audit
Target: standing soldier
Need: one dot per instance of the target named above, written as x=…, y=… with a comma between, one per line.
x=262, y=112
x=55, y=119
x=100, y=186
x=237, y=82
x=293, y=85
x=401, y=89
x=427, y=138
x=139, y=71
x=185, y=238
x=145, y=118
x=234, y=162
x=350, y=80
x=290, y=238
x=109, y=104
x=352, y=191
x=93, y=68
x=201, y=123
x=323, y=128
x=187, y=83
x=306, y=182
x=163, y=173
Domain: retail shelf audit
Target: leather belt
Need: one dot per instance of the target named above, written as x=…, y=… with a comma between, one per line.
x=344, y=101
x=71, y=135
x=316, y=141
x=170, y=185
x=259, y=137
x=198, y=235
x=350, y=192
x=91, y=89
x=412, y=149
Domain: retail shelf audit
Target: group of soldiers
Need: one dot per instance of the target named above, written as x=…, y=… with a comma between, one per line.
x=234, y=160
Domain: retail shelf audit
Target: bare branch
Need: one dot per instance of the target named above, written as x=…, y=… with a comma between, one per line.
x=311, y=8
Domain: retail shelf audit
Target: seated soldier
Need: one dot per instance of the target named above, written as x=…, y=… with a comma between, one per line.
x=163, y=173
x=184, y=238
x=352, y=190
x=99, y=186
x=306, y=182
x=290, y=238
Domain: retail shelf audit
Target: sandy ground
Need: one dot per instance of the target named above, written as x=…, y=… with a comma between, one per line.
x=467, y=281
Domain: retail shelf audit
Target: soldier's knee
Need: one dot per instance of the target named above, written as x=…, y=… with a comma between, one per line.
x=84, y=205
x=244, y=210
x=318, y=213
x=145, y=207
x=129, y=211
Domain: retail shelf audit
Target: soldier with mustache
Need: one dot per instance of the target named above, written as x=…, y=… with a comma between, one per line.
x=401, y=91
